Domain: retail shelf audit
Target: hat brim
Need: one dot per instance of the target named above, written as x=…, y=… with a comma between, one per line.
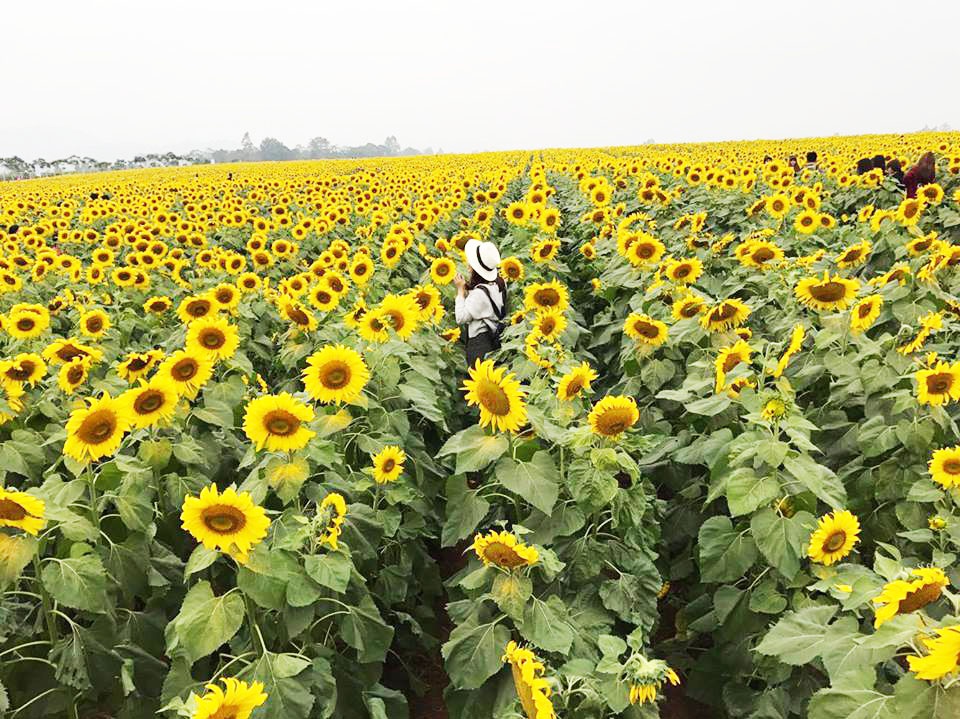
x=472, y=250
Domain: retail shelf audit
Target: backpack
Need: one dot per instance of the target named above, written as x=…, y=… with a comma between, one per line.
x=496, y=328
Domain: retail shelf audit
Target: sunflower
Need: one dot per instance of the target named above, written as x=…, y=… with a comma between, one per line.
x=796, y=341
x=152, y=402
x=213, y=336
x=428, y=302
x=442, y=271
x=22, y=511
x=26, y=367
x=498, y=395
x=807, y=222
x=388, y=464
x=188, y=371
x=25, y=323
x=504, y=550
x=401, y=313
x=549, y=325
x=909, y=211
x=330, y=515
x=645, y=330
x=74, y=373
x=939, y=385
x=865, y=313
x=646, y=677
x=726, y=315
x=827, y=293
x=451, y=335
x=227, y=297
x=95, y=430
x=576, y=381
x=194, y=307
x=728, y=358
x=361, y=269
x=588, y=250
x=777, y=206
x=855, y=255
x=533, y=691
x=138, y=364
x=687, y=307
x=944, y=467
x=511, y=269
x=157, y=304
x=543, y=296
x=276, y=423
x=545, y=250
x=613, y=415
x=373, y=325
x=335, y=373
x=645, y=250
x=229, y=522
x=905, y=597
x=943, y=655
x=834, y=538
x=323, y=298
x=684, y=272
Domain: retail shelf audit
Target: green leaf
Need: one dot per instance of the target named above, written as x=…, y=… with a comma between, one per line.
x=535, y=481
x=205, y=622
x=465, y=510
x=473, y=653
x=725, y=554
x=798, y=637
x=286, y=682
x=746, y=491
x=510, y=591
x=709, y=406
x=474, y=448
x=200, y=559
x=364, y=630
x=593, y=488
x=545, y=625
x=818, y=479
x=78, y=582
x=852, y=703
x=16, y=552
x=330, y=570
x=780, y=539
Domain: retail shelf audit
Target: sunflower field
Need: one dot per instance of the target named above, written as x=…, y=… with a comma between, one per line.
x=713, y=470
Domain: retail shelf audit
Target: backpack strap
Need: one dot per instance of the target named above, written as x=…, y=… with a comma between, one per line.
x=498, y=311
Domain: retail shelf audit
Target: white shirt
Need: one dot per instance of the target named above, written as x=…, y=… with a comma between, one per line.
x=475, y=309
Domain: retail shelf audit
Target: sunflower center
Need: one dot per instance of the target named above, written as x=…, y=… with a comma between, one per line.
x=614, y=421
x=547, y=298
x=212, y=339
x=939, y=383
x=75, y=374
x=281, y=423
x=137, y=365
x=224, y=519
x=646, y=329
x=20, y=373
x=12, y=511
x=548, y=325
x=828, y=291
x=952, y=466
x=493, y=398
x=723, y=312
x=690, y=310
x=396, y=319
x=763, y=254
x=645, y=251
x=185, y=370
x=98, y=427
x=148, y=402
x=574, y=387
x=442, y=270
x=198, y=309
x=389, y=465
x=298, y=316
x=225, y=297
x=94, y=324
x=335, y=375
x=730, y=362
x=835, y=541
x=919, y=598
x=502, y=555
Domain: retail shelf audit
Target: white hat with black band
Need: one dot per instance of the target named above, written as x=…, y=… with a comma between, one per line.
x=483, y=258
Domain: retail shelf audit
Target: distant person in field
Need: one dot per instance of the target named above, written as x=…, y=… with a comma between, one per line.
x=794, y=164
x=879, y=162
x=923, y=173
x=895, y=171
x=812, y=163
x=481, y=301
x=864, y=165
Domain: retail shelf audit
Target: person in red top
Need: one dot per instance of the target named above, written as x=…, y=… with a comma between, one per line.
x=923, y=173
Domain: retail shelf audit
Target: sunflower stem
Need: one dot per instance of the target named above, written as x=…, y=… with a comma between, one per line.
x=46, y=603
x=256, y=638
x=94, y=512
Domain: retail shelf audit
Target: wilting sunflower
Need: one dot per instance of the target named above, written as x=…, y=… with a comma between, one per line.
x=214, y=337
x=152, y=402
x=944, y=467
x=726, y=315
x=74, y=373
x=22, y=511
x=498, y=395
x=865, y=313
x=827, y=293
x=188, y=371
x=907, y=596
x=533, y=691
x=796, y=342
x=229, y=522
x=388, y=464
x=543, y=296
x=728, y=358
x=335, y=373
x=26, y=367
x=504, y=550
x=549, y=325
x=442, y=270
x=95, y=430
x=646, y=676
x=277, y=423
x=645, y=330
x=613, y=415
x=138, y=364
x=943, y=655
x=330, y=515
x=94, y=323
x=834, y=538
x=576, y=381
x=939, y=385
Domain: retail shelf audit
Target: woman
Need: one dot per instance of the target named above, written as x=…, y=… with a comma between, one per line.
x=481, y=300
x=923, y=173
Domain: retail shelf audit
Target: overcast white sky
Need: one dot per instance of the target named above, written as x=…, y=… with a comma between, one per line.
x=115, y=78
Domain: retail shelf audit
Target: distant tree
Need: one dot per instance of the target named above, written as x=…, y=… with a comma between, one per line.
x=247, y=147
x=391, y=146
x=319, y=147
x=272, y=149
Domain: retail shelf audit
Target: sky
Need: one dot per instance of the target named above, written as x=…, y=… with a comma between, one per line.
x=115, y=79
